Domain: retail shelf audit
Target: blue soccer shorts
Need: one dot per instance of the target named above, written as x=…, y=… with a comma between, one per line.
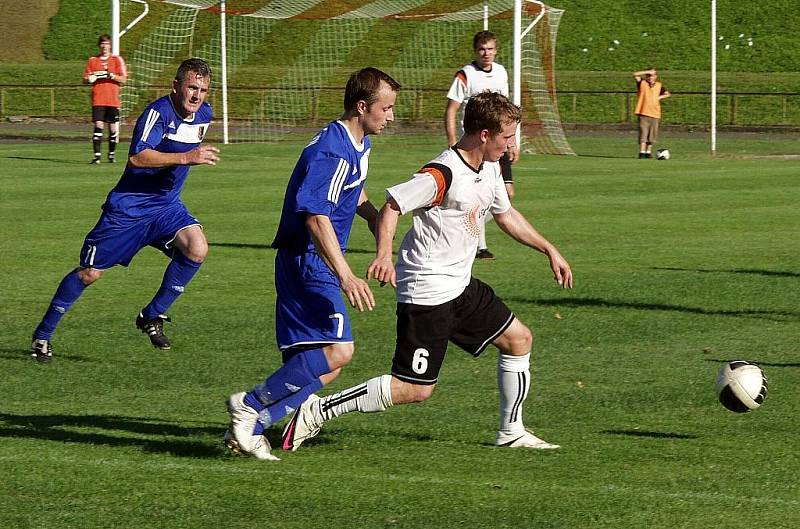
x=309, y=309
x=117, y=237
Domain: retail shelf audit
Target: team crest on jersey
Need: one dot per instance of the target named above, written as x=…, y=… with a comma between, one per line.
x=201, y=131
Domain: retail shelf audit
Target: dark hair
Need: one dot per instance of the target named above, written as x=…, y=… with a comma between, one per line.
x=364, y=85
x=105, y=37
x=482, y=37
x=490, y=111
x=198, y=66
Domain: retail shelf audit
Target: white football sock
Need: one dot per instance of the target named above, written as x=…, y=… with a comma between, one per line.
x=514, y=381
x=373, y=395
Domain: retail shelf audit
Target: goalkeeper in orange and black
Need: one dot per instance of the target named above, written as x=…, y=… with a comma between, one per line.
x=105, y=72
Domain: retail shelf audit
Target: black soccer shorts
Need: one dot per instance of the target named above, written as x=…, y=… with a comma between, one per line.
x=472, y=321
x=105, y=114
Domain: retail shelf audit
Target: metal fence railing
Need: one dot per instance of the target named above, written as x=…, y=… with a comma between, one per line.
x=684, y=108
x=427, y=105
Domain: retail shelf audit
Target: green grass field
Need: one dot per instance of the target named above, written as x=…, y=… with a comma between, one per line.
x=678, y=266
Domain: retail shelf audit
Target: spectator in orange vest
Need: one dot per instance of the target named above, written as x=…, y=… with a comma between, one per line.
x=648, y=108
x=105, y=72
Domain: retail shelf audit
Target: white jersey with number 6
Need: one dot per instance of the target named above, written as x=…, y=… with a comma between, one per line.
x=449, y=199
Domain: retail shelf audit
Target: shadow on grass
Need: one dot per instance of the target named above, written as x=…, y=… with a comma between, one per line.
x=343, y=440
x=753, y=271
x=645, y=433
x=607, y=156
x=253, y=246
x=58, y=428
x=59, y=161
x=25, y=355
x=772, y=315
x=770, y=364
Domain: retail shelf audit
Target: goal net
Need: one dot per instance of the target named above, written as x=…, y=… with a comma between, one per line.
x=287, y=61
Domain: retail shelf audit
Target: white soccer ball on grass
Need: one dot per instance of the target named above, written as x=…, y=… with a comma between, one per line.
x=662, y=154
x=741, y=386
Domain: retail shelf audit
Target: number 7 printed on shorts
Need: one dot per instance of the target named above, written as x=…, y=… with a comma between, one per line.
x=340, y=323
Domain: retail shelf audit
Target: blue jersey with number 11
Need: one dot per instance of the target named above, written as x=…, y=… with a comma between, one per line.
x=144, y=191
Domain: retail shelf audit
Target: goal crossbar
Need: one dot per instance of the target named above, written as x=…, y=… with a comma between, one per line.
x=320, y=42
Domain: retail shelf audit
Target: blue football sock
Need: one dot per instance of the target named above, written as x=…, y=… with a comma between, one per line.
x=299, y=371
x=179, y=273
x=278, y=410
x=67, y=293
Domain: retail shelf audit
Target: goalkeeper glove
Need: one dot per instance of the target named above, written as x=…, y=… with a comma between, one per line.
x=99, y=74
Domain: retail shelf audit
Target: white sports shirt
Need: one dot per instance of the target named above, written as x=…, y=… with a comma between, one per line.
x=471, y=80
x=449, y=199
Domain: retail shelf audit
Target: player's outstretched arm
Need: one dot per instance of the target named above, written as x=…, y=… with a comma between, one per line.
x=327, y=244
x=382, y=267
x=517, y=226
x=202, y=155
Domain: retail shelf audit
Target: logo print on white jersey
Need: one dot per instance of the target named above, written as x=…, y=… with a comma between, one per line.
x=472, y=222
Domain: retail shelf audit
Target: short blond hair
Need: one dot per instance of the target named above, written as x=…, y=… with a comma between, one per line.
x=490, y=111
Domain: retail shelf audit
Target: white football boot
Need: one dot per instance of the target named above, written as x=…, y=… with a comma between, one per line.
x=240, y=438
x=523, y=440
x=304, y=424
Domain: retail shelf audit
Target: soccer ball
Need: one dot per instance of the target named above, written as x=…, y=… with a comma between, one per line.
x=741, y=386
x=662, y=154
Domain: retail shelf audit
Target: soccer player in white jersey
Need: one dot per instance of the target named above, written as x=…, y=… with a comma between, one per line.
x=145, y=208
x=482, y=74
x=325, y=192
x=438, y=300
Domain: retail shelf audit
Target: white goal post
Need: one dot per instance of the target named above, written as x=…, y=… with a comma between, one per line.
x=281, y=64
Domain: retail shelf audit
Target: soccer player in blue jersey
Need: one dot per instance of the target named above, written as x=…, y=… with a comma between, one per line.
x=324, y=193
x=145, y=209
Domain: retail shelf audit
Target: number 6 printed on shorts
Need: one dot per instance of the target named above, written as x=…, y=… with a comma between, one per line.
x=420, y=361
